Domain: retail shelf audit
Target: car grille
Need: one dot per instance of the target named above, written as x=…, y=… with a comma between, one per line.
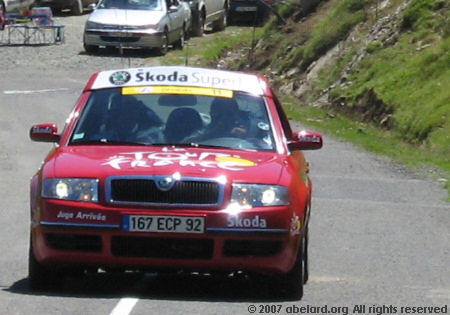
x=148, y=191
x=244, y=248
x=75, y=242
x=120, y=39
x=159, y=247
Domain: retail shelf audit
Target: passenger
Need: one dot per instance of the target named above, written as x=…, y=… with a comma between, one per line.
x=125, y=118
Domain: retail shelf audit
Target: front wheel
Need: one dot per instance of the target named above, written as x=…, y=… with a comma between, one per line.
x=221, y=23
x=90, y=49
x=198, y=27
x=77, y=7
x=290, y=285
x=163, y=49
x=41, y=277
x=179, y=44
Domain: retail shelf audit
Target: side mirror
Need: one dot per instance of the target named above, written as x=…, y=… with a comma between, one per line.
x=45, y=133
x=305, y=140
x=92, y=6
x=173, y=8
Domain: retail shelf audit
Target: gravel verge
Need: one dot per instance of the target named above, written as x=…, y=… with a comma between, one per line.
x=70, y=55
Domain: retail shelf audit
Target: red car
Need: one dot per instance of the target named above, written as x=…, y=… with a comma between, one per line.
x=173, y=168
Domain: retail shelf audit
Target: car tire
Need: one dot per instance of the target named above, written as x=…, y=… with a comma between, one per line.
x=179, y=44
x=77, y=7
x=305, y=257
x=2, y=17
x=41, y=278
x=90, y=49
x=221, y=24
x=290, y=285
x=198, y=28
x=162, y=50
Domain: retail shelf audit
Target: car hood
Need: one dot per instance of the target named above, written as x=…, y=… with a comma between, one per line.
x=101, y=162
x=126, y=17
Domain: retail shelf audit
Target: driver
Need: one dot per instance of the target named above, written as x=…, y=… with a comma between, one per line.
x=226, y=121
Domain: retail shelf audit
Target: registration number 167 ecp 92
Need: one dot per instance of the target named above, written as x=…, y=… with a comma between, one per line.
x=168, y=224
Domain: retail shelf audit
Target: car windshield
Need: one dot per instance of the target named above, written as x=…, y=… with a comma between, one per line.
x=114, y=116
x=152, y=5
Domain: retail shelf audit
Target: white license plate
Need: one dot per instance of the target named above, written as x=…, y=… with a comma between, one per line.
x=246, y=9
x=163, y=224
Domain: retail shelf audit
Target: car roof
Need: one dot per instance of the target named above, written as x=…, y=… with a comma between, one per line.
x=179, y=76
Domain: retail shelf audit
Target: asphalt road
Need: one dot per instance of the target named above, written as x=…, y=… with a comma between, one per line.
x=379, y=234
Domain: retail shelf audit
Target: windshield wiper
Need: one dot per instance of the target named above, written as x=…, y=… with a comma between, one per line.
x=190, y=144
x=106, y=142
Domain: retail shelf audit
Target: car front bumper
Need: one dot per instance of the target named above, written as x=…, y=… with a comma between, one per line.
x=103, y=243
x=127, y=39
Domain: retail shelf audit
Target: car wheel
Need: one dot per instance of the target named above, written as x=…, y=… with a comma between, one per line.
x=182, y=41
x=290, y=285
x=2, y=17
x=162, y=50
x=305, y=257
x=90, y=49
x=199, y=26
x=77, y=7
x=221, y=23
x=41, y=277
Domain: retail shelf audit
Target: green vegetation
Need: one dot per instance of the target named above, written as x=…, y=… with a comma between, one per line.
x=405, y=79
x=410, y=78
x=205, y=51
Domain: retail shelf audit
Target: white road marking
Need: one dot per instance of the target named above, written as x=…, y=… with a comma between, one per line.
x=124, y=306
x=34, y=91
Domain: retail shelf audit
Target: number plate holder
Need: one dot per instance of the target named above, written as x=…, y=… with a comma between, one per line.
x=163, y=224
x=247, y=9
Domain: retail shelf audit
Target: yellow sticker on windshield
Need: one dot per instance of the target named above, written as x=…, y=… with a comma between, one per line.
x=133, y=90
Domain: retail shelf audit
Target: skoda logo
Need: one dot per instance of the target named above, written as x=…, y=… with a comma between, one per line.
x=119, y=78
x=165, y=183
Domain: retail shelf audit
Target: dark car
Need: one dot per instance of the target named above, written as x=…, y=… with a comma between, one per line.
x=250, y=11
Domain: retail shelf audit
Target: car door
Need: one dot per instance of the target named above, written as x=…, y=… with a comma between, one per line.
x=175, y=19
x=214, y=8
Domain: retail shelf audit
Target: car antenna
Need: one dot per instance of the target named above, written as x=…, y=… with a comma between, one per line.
x=252, y=47
x=186, y=56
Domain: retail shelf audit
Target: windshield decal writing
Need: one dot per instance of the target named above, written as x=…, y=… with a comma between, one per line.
x=179, y=158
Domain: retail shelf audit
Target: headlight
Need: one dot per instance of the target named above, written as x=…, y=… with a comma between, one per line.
x=78, y=189
x=255, y=195
x=152, y=27
x=93, y=25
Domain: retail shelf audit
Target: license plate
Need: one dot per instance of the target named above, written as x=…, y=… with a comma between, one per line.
x=163, y=224
x=246, y=9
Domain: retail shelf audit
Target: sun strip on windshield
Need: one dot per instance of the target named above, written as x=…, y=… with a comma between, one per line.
x=134, y=90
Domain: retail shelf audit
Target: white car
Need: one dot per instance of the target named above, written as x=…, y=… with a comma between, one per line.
x=7, y=6
x=137, y=24
x=208, y=12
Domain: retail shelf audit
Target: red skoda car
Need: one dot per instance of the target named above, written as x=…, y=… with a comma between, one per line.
x=173, y=168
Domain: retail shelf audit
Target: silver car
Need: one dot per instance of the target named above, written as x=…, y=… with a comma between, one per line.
x=75, y=6
x=137, y=24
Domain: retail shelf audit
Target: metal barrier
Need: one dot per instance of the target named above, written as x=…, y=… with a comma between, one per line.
x=31, y=28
